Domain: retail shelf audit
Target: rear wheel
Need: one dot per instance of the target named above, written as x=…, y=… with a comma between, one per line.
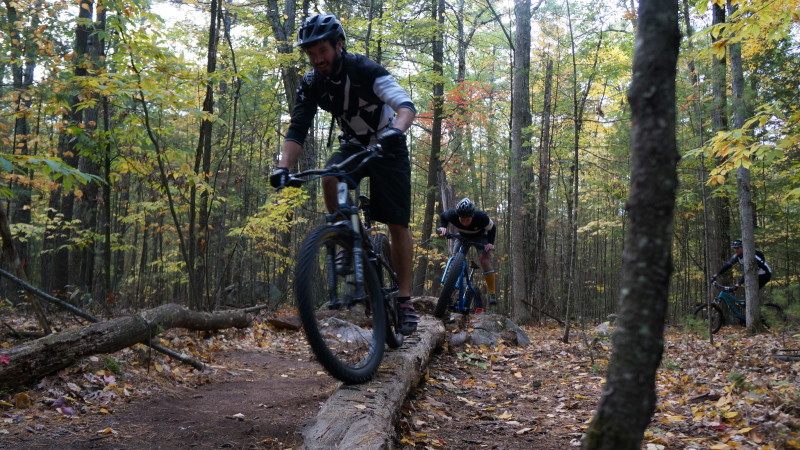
x=345, y=325
x=385, y=269
x=449, y=294
x=474, y=299
x=715, y=316
x=773, y=316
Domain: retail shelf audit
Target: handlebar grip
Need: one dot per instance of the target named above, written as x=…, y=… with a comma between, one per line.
x=294, y=182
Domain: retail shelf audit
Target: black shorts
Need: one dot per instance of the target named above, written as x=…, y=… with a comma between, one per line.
x=479, y=237
x=389, y=183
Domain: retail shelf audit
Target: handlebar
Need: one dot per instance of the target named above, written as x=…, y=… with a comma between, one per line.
x=723, y=287
x=464, y=240
x=368, y=153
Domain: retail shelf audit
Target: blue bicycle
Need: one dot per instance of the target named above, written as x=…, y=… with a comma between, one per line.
x=771, y=314
x=457, y=288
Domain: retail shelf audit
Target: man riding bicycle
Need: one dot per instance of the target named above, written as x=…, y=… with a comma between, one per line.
x=764, y=272
x=370, y=108
x=476, y=224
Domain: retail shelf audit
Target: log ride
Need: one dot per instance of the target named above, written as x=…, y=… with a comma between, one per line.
x=363, y=416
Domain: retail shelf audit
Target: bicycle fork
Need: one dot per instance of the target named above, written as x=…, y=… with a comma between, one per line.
x=355, y=228
x=460, y=306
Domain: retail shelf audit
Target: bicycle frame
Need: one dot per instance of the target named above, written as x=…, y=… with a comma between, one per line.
x=347, y=208
x=733, y=303
x=464, y=281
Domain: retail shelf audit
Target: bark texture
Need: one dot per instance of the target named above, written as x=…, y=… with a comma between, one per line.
x=29, y=362
x=362, y=416
x=629, y=397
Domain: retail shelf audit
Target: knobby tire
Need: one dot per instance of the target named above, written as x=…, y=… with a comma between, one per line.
x=347, y=338
x=716, y=318
x=449, y=286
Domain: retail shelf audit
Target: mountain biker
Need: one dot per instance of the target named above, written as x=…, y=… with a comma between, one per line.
x=370, y=108
x=477, y=224
x=764, y=272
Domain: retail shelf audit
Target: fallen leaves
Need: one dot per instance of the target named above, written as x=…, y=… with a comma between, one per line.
x=730, y=395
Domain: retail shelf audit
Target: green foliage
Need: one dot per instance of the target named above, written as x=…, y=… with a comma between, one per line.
x=53, y=168
x=739, y=381
x=472, y=359
x=112, y=365
x=670, y=364
x=692, y=324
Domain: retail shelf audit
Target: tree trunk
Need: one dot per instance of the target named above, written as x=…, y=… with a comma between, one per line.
x=540, y=278
x=60, y=268
x=199, y=211
x=31, y=361
x=520, y=150
x=743, y=188
x=12, y=256
x=719, y=237
x=434, y=164
x=22, y=68
x=629, y=396
x=282, y=22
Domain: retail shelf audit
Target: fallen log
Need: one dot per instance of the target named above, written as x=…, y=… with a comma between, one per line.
x=31, y=361
x=79, y=312
x=362, y=416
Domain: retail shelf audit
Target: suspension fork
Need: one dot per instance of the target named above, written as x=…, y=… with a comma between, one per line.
x=345, y=205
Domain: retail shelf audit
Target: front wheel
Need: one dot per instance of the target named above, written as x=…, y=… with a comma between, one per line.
x=772, y=316
x=449, y=294
x=345, y=324
x=715, y=316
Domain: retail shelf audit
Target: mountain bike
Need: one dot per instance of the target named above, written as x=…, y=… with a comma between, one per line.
x=457, y=288
x=771, y=314
x=345, y=285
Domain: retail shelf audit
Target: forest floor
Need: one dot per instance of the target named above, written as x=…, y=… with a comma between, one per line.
x=261, y=383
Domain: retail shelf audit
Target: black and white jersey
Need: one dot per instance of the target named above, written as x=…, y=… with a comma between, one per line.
x=763, y=267
x=481, y=224
x=363, y=98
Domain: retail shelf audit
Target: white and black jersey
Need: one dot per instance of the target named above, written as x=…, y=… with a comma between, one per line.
x=763, y=267
x=363, y=97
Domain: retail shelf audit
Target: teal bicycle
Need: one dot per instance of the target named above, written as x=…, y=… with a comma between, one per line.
x=771, y=314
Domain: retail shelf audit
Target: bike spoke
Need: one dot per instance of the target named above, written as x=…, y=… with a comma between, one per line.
x=339, y=315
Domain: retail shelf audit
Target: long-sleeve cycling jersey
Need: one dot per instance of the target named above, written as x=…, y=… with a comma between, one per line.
x=481, y=223
x=763, y=267
x=363, y=97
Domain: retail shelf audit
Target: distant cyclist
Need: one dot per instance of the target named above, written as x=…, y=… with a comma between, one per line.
x=764, y=272
x=477, y=225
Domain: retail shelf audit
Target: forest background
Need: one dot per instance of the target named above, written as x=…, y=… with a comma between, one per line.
x=135, y=149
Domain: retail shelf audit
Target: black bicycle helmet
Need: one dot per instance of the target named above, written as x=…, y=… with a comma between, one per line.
x=736, y=244
x=319, y=27
x=465, y=208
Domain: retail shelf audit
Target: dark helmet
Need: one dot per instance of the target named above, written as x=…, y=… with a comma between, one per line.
x=319, y=27
x=465, y=208
x=737, y=243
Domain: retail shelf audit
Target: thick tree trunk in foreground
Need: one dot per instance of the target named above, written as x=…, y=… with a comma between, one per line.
x=31, y=361
x=629, y=396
